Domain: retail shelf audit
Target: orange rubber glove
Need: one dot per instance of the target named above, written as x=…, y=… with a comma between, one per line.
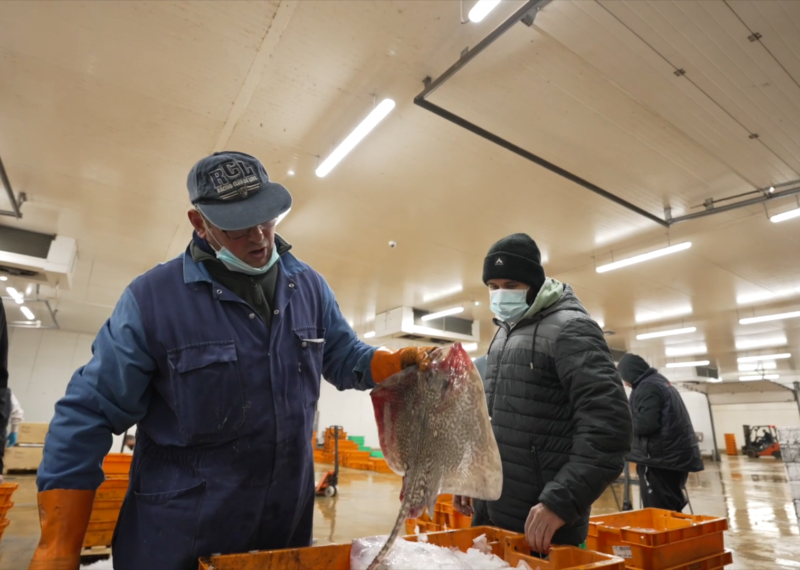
x=64, y=515
x=387, y=362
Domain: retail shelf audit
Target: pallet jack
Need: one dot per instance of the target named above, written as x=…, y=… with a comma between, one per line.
x=327, y=487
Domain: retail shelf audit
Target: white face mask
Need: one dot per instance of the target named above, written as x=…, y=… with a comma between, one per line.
x=233, y=263
x=508, y=304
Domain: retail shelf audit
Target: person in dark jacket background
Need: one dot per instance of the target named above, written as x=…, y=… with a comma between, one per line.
x=665, y=447
x=557, y=405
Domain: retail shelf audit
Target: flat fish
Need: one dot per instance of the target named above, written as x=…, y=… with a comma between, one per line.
x=434, y=429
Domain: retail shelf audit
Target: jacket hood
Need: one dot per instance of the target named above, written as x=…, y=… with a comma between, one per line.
x=633, y=368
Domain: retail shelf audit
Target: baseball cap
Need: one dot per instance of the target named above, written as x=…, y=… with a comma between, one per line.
x=233, y=191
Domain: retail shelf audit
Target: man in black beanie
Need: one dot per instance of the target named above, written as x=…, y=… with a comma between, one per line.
x=665, y=447
x=558, y=408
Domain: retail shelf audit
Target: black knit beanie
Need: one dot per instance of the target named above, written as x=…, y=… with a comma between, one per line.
x=515, y=257
x=631, y=367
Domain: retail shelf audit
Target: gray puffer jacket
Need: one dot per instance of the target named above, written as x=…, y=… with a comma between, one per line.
x=559, y=414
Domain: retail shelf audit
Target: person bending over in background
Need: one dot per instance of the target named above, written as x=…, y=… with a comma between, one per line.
x=557, y=405
x=665, y=447
x=216, y=356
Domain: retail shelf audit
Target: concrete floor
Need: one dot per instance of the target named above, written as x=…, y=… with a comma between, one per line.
x=753, y=494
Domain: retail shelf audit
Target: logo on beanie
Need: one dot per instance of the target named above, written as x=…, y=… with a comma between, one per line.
x=499, y=261
x=234, y=179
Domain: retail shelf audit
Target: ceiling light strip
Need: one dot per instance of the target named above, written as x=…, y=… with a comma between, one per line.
x=644, y=257
x=362, y=130
x=777, y=218
x=445, y=313
x=764, y=357
x=768, y=318
x=688, y=364
x=660, y=334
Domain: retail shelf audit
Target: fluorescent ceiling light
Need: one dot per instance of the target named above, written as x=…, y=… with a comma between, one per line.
x=672, y=332
x=767, y=318
x=714, y=380
x=760, y=343
x=785, y=216
x=445, y=313
x=369, y=334
x=362, y=130
x=18, y=297
x=441, y=294
x=654, y=316
x=3, y=278
x=686, y=350
x=28, y=313
x=764, y=377
x=688, y=364
x=470, y=346
x=481, y=10
x=765, y=296
x=644, y=257
x=761, y=365
x=764, y=357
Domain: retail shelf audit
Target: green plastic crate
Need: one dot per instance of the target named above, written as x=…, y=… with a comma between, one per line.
x=359, y=439
x=376, y=453
x=364, y=448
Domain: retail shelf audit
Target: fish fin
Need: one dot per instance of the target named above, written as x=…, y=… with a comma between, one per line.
x=399, y=523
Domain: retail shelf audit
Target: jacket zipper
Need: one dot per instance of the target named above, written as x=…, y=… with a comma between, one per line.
x=538, y=467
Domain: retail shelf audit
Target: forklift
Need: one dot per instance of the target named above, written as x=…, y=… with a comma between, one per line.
x=327, y=485
x=766, y=443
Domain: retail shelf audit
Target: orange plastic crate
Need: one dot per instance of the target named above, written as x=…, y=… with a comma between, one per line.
x=112, y=490
x=4, y=510
x=559, y=558
x=6, y=490
x=105, y=511
x=3, y=526
x=337, y=556
x=99, y=534
x=117, y=465
x=715, y=562
x=656, y=539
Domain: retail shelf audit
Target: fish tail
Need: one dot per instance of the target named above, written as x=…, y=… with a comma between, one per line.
x=399, y=523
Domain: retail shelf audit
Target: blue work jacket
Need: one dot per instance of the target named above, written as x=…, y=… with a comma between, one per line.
x=224, y=407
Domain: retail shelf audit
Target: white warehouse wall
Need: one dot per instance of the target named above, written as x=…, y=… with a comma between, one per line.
x=40, y=365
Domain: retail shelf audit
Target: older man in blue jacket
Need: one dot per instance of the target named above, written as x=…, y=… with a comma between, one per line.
x=217, y=356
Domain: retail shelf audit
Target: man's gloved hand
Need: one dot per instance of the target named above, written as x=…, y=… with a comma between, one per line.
x=64, y=516
x=387, y=362
x=12, y=439
x=463, y=505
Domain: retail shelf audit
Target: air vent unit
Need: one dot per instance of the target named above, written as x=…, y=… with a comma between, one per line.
x=37, y=257
x=406, y=323
x=707, y=371
x=617, y=354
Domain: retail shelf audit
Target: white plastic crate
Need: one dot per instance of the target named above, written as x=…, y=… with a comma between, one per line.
x=790, y=452
x=792, y=471
x=788, y=435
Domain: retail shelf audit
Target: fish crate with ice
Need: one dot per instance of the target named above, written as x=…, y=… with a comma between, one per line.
x=508, y=549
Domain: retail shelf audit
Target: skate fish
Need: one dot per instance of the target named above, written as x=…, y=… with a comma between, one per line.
x=434, y=429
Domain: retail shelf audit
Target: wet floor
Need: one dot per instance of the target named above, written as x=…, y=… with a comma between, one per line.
x=753, y=494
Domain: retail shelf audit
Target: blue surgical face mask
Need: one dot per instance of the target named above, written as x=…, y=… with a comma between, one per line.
x=508, y=304
x=235, y=264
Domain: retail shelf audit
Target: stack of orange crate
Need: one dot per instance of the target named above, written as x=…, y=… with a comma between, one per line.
x=730, y=444
x=656, y=539
x=108, y=500
x=349, y=454
x=6, y=491
x=445, y=517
